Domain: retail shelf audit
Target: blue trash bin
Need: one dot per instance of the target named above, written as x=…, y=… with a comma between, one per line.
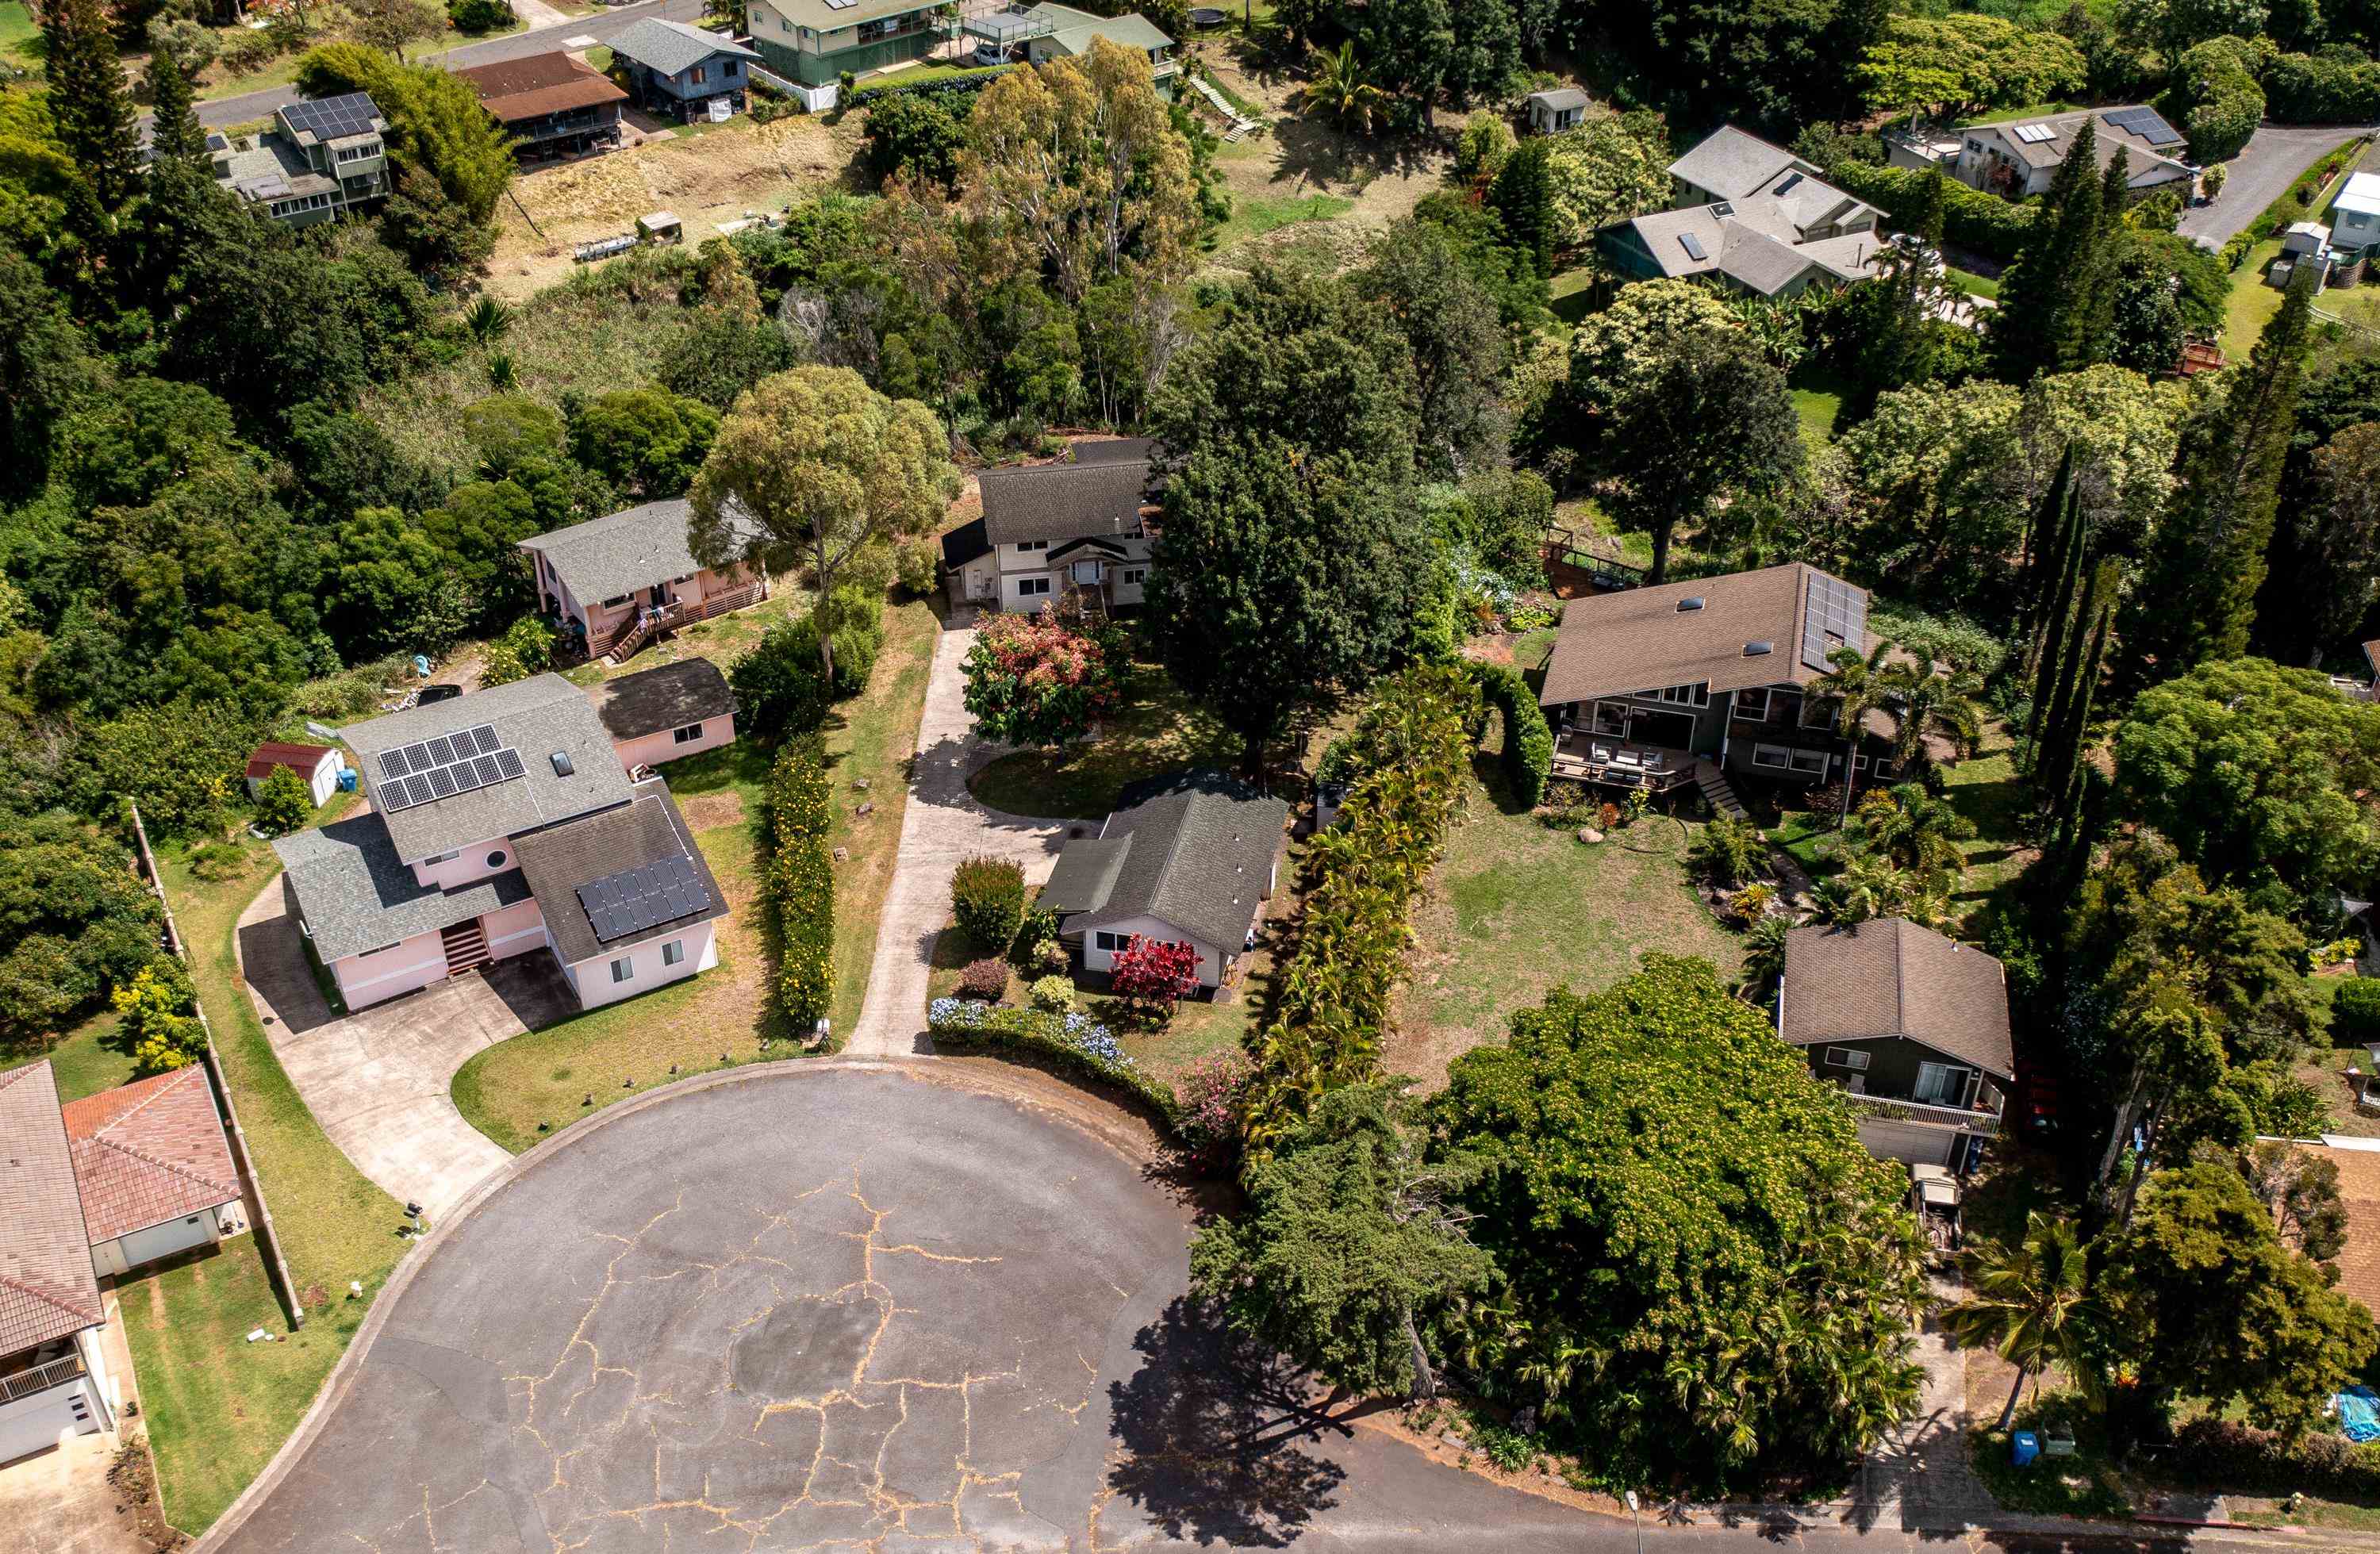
x=347, y=779
x=2024, y=1446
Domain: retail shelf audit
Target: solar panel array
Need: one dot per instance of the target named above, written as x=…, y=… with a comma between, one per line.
x=332, y=117
x=637, y=899
x=439, y=768
x=2146, y=123
x=2034, y=134
x=1831, y=607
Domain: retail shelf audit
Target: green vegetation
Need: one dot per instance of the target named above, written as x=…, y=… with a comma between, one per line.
x=1253, y=215
x=1974, y=285
x=1154, y=729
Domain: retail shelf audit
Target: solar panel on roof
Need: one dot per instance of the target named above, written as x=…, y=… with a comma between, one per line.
x=490, y=773
x=465, y=779
x=442, y=751
x=331, y=118
x=393, y=764
x=2034, y=134
x=635, y=899
x=442, y=781
x=1833, y=610
x=484, y=738
x=1694, y=246
x=509, y=764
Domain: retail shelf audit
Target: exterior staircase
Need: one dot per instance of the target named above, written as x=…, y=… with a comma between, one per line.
x=466, y=947
x=1718, y=791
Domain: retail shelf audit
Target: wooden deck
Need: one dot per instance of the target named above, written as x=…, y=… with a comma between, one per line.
x=1627, y=763
x=647, y=625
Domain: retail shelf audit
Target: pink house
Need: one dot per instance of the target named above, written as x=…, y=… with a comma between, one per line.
x=658, y=715
x=615, y=583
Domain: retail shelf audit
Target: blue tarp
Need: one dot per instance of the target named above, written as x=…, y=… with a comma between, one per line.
x=2358, y=1412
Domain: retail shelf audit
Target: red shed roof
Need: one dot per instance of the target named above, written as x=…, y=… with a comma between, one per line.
x=148, y=1152
x=301, y=759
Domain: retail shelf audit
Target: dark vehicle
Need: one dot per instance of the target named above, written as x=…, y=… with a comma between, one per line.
x=438, y=693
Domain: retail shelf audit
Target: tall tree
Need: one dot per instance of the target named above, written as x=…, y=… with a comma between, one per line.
x=811, y=466
x=89, y=101
x=1713, y=420
x=1460, y=350
x=2198, y=599
x=2326, y=554
x=178, y=136
x=2029, y=1303
x=2060, y=746
x=2049, y=297
x=1292, y=563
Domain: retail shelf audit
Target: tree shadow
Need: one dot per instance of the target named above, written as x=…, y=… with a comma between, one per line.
x=1215, y=1431
x=1313, y=151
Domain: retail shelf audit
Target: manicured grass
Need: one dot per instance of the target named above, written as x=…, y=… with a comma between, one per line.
x=2311, y=1511
x=1985, y=789
x=1572, y=293
x=546, y=1075
x=2085, y=1484
x=917, y=74
x=20, y=37
x=1804, y=834
x=2253, y=303
x=2031, y=110
x=1973, y=284
x=1155, y=730
x=86, y=1060
x=1818, y=393
x=1253, y=215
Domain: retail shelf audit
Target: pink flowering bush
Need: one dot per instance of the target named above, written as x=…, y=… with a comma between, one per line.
x=1207, y=1111
x=1035, y=680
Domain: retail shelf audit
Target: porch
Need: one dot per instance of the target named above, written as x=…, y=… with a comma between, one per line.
x=649, y=622
x=1982, y=1120
x=1618, y=762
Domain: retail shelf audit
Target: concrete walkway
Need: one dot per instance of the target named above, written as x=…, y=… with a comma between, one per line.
x=942, y=826
x=378, y=1081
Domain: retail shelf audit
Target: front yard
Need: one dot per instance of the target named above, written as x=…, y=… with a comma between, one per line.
x=1156, y=729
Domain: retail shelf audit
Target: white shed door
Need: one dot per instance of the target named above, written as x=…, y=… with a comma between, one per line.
x=164, y=1240
x=1912, y=1142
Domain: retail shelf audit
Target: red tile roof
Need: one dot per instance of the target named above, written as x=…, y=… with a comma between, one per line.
x=46, y=1288
x=148, y=1152
x=301, y=759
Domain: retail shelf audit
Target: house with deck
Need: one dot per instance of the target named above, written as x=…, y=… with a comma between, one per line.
x=1188, y=859
x=1913, y=1024
x=656, y=715
x=1062, y=33
x=1752, y=218
x=613, y=584
x=503, y=823
x=683, y=71
x=1706, y=683
x=1052, y=533
x=549, y=103
x=321, y=159
x=813, y=42
x=2020, y=158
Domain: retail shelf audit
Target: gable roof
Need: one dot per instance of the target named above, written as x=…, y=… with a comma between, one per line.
x=148, y=1152
x=1732, y=163
x=1099, y=495
x=1198, y=855
x=622, y=552
x=537, y=717
x=2359, y=1194
x=557, y=861
x=353, y=893
x=1638, y=640
x=1560, y=98
x=670, y=697
x=2147, y=165
x=270, y=755
x=46, y=1288
x=513, y=90
x=1073, y=30
x=1889, y=977
x=2362, y=193
x=1754, y=234
x=670, y=46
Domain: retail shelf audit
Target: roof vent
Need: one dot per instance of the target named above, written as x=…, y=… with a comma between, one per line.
x=1758, y=649
x=560, y=763
x=1686, y=604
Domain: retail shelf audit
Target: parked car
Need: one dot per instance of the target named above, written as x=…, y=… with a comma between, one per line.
x=438, y=693
x=987, y=55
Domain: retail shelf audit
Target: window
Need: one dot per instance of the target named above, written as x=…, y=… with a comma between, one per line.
x=1134, y=573
x=1846, y=1057
x=496, y=859
x=436, y=858
x=1773, y=755
x=624, y=970
x=696, y=75
x=727, y=68
x=685, y=735
x=1032, y=588
x=1023, y=546
x=1751, y=706
x=1611, y=717
x=1687, y=696
x=1110, y=943
x=674, y=953
x=1941, y=1084
x=1810, y=762
x=617, y=599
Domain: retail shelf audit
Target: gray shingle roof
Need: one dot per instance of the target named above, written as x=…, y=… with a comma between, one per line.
x=1892, y=977
x=635, y=548
x=1058, y=501
x=1732, y=163
x=355, y=893
x=670, y=697
x=1200, y=858
x=1560, y=98
x=560, y=859
x=46, y=1288
x=1638, y=640
x=537, y=717
x=670, y=46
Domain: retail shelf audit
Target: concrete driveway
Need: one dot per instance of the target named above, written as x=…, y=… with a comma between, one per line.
x=378, y=1080
x=858, y=1305
x=942, y=826
x=2275, y=154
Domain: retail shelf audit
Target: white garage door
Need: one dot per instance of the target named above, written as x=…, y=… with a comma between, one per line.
x=1912, y=1142
x=164, y=1240
x=34, y=1424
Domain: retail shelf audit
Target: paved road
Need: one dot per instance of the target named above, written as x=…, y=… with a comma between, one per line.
x=2274, y=156
x=601, y=27
x=942, y=825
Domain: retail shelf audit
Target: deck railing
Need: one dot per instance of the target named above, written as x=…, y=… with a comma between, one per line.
x=41, y=1378
x=643, y=626
x=1891, y=1109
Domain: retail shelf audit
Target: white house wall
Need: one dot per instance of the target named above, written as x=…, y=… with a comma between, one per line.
x=592, y=976
x=378, y=975
x=652, y=749
x=1210, y=962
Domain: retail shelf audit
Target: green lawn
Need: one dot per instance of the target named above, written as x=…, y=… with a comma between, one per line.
x=1253, y=215
x=1973, y=284
x=2031, y=110
x=1573, y=292
x=1985, y=789
x=1818, y=393
x=2311, y=1511
x=2086, y=1484
x=917, y=74
x=1156, y=729
x=20, y=38
x=87, y=1060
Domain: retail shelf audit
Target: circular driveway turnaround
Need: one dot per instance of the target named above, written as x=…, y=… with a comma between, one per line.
x=859, y=1305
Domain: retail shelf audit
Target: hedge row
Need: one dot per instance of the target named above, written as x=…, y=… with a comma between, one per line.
x=1971, y=219
x=2216, y=1454
x=1072, y=1040
x=1528, y=741
x=2293, y=205
x=1409, y=754
x=936, y=88
x=801, y=880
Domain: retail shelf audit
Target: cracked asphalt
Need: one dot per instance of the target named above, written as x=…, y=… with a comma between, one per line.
x=844, y=1306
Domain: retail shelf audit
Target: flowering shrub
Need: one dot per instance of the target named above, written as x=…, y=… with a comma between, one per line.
x=1034, y=680
x=1055, y=994
x=1208, y=1096
x=1071, y=1040
x=986, y=978
x=1155, y=976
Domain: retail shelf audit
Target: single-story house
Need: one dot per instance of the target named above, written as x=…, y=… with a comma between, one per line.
x=2355, y=216
x=1552, y=112
x=2021, y=158
x=154, y=1170
x=549, y=103
x=1911, y=1021
x=1647, y=684
x=317, y=766
x=1069, y=34
x=435, y=880
x=1751, y=216
x=53, y=1375
x=614, y=583
x=812, y=42
x=1049, y=529
x=681, y=70
x=655, y=715
x=1188, y=859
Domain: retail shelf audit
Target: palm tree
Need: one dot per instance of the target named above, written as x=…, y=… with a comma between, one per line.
x=1858, y=686
x=1917, y=831
x=1868, y=885
x=1920, y=702
x=1764, y=955
x=1340, y=90
x=2031, y=1303
x=502, y=376
x=488, y=320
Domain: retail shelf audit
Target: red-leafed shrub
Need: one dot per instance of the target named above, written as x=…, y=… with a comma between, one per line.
x=1155, y=976
x=1036, y=680
x=986, y=978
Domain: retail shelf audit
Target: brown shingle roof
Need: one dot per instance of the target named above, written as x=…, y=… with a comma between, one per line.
x=1892, y=977
x=1102, y=494
x=673, y=695
x=1639, y=640
x=148, y=1152
x=46, y=1288
x=543, y=83
x=301, y=759
x=2359, y=1190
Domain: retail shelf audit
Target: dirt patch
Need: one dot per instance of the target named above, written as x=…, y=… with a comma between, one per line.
x=133, y=1478
x=710, y=812
x=708, y=178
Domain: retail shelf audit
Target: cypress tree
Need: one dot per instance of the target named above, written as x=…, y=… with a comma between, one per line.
x=2034, y=330
x=2052, y=634
x=2040, y=535
x=2062, y=739
x=180, y=135
x=1927, y=218
x=88, y=101
x=1523, y=194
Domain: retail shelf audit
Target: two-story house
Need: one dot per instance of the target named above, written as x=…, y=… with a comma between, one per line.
x=1049, y=529
x=549, y=103
x=1753, y=217
x=680, y=70
x=1913, y=1024
x=321, y=160
x=2020, y=158
x=613, y=584
x=1649, y=686
x=813, y=42
x=1067, y=33
x=503, y=823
